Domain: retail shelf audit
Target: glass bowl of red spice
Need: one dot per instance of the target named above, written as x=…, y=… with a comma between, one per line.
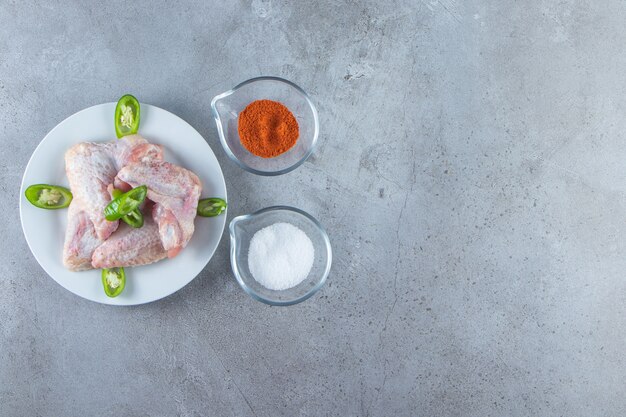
x=267, y=125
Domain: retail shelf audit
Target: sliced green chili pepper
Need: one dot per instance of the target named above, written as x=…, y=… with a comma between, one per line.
x=211, y=207
x=134, y=218
x=49, y=197
x=125, y=204
x=126, y=116
x=113, y=281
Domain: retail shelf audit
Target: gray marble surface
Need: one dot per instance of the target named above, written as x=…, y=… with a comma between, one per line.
x=471, y=174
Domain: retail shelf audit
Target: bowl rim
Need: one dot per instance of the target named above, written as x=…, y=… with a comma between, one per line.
x=227, y=149
x=235, y=268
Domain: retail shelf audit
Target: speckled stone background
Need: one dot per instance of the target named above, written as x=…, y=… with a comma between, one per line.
x=471, y=174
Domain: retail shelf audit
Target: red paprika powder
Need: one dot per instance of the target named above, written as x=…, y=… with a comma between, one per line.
x=267, y=128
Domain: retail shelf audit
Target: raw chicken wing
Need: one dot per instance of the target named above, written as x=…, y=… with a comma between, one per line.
x=130, y=247
x=175, y=191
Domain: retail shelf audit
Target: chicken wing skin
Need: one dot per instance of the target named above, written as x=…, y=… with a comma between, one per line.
x=80, y=240
x=130, y=247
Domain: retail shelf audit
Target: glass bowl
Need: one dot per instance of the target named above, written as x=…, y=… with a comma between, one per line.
x=242, y=229
x=227, y=106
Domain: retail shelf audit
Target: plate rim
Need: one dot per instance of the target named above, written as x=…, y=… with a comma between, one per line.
x=103, y=302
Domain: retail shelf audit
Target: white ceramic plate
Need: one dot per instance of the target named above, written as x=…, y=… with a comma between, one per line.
x=45, y=229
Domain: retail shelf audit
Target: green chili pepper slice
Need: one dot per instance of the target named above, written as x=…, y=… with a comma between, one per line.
x=113, y=281
x=127, y=116
x=134, y=218
x=211, y=207
x=50, y=197
x=125, y=204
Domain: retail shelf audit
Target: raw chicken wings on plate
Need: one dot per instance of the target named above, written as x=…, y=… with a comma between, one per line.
x=93, y=170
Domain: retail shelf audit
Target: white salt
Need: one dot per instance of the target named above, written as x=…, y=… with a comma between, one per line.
x=280, y=256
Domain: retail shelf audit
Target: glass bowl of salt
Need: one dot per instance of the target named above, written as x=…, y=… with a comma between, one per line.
x=280, y=255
